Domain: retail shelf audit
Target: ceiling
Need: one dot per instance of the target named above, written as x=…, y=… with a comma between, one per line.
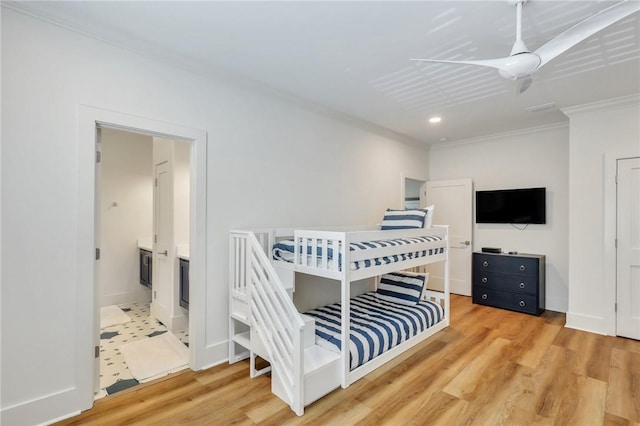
x=353, y=57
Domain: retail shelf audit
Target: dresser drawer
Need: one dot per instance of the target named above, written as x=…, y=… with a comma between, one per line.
x=509, y=282
x=505, y=264
x=505, y=299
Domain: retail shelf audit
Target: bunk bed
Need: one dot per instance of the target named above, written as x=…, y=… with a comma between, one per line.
x=346, y=256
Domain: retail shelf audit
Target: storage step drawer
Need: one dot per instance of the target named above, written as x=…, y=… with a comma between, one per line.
x=505, y=299
x=508, y=282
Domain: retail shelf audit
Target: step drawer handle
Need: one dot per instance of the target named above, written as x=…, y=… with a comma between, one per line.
x=522, y=268
x=522, y=285
x=484, y=280
x=484, y=296
x=522, y=303
x=485, y=263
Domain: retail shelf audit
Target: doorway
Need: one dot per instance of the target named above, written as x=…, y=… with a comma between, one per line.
x=138, y=228
x=90, y=120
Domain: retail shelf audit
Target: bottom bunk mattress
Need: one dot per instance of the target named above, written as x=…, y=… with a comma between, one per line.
x=376, y=325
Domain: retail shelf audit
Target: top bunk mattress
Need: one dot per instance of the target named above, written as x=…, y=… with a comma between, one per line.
x=284, y=251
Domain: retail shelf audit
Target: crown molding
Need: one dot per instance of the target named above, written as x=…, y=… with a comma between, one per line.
x=502, y=135
x=605, y=104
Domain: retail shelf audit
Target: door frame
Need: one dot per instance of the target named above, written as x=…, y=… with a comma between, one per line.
x=403, y=178
x=610, y=282
x=90, y=118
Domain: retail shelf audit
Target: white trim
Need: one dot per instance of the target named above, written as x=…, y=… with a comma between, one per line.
x=606, y=104
x=403, y=178
x=45, y=407
x=609, y=198
x=588, y=323
x=89, y=117
x=502, y=135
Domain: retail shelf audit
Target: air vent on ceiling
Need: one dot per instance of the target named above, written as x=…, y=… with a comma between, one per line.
x=541, y=107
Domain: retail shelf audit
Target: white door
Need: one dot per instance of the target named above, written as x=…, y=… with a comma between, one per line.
x=163, y=252
x=453, y=201
x=628, y=251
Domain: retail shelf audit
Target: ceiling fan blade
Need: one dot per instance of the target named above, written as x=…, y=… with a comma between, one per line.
x=523, y=84
x=493, y=63
x=585, y=29
x=511, y=67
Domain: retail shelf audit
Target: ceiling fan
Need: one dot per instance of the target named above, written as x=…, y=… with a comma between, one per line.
x=521, y=63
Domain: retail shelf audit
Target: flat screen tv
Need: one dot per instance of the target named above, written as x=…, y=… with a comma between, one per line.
x=527, y=205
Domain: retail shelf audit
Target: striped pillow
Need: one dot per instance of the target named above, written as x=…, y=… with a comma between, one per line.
x=401, y=288
x=403, y=219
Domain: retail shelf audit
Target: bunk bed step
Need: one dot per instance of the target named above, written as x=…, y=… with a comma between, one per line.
x=240, y=308
x=322, y=369
x=309, y=337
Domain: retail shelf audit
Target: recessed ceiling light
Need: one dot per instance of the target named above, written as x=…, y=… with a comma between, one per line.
x=435, y=119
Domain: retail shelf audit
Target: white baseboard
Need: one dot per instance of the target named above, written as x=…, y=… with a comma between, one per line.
x=141, y=295
x=214, y=355
x=44, y=410
x=588, y=323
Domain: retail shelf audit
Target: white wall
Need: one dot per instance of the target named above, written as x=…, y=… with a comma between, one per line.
x=127, y=180
x=533, y=158
x=600, y=133
x=269, y=162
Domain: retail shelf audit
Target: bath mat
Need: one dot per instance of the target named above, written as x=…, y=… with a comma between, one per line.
x=112, y=315
x=154, y=357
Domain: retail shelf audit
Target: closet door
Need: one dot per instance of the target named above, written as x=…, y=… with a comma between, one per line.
x=453, y=201
x=628, y=251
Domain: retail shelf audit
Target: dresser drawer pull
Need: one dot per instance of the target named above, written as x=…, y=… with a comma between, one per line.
x=522, y=268
x=484, y=280
x=484, y=296
x=522, y=285
x=485, y=263
x=522, y=303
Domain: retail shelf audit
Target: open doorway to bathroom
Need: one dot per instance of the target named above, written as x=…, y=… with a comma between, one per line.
x=142, y=276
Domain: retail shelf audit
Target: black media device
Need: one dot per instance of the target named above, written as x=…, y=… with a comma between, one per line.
x=491, y=250
x=524, y=206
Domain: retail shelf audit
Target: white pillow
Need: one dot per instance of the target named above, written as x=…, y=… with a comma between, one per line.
x=428, y=221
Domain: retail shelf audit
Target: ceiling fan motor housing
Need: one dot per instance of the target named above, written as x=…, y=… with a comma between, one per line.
x=519, y=65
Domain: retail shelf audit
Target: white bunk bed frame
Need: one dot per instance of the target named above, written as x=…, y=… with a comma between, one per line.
x=254, y=276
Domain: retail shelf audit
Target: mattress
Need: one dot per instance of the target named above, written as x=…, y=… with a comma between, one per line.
x=283, y=250
x=376, y=325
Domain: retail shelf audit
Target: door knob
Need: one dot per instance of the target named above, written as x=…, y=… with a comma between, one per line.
x=466, y=243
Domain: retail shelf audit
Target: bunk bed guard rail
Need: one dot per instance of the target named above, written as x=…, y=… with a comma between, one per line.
x=272, y=313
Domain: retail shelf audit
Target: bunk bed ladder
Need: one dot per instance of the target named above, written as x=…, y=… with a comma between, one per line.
x=302, y=371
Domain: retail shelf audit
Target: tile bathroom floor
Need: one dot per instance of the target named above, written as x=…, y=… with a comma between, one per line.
x=114, y=373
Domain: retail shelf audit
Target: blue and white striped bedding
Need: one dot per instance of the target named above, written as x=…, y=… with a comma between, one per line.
x=376, y=325
x=283, y=250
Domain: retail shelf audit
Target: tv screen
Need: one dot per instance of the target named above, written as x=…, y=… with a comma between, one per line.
x=511, y=206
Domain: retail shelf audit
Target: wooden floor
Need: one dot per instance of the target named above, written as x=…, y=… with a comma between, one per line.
x=491, y=367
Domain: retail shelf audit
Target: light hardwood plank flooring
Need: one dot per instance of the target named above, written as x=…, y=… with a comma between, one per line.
x=490, y=367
